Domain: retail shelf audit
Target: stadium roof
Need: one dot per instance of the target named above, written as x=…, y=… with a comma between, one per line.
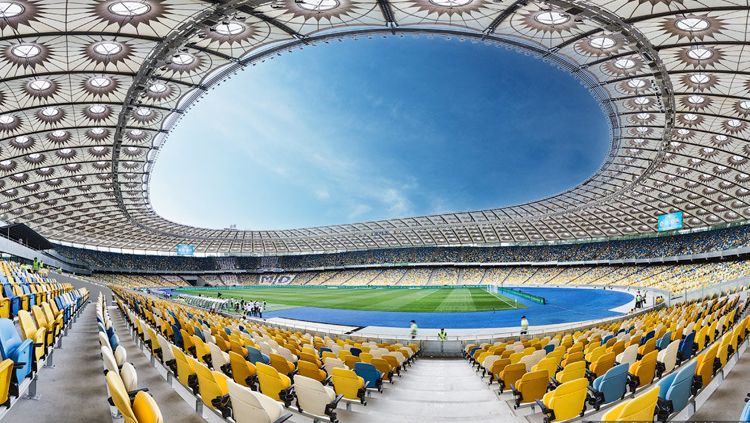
x=90, y=89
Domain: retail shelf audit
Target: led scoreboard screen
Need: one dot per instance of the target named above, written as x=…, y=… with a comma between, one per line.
x=670, y=222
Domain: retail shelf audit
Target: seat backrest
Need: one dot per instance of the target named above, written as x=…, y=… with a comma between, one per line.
x=572, y=371
x=9, y=339
x=629, y=355
x=312, y=395
x=639, y=409
x=129, y=377
x=166, y=348
x=679, y=390
x=218, y=358
x=567, y=400
x=745, y=414
x=109, y=360
x=613, y=383
x=668, y=356
x=145, y=409
x=347, y=383
x=120, y=397
x=252, y=407
x=242, y=369
x=207, y=384
x=533, y=385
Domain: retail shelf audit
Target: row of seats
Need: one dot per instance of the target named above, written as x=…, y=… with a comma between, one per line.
x=133, y=404
x=41, y=329
x=22, y=290
x=240, y=369
x=564, y=372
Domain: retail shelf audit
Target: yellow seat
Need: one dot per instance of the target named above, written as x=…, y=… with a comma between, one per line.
x=211, y=384
x=602, y=364
x=705, y=364
x=530, y=387
x=281, y=364
x=311, y=370
x=510, y=374
x=202, y=351
x=572, y=358
x=497, y=368
x=274, y=384
x=36, y=335
x=572, y=371
x=643, y=370
x=6, y=375
x=638, y=409
x=243, y=371
x=646, y=348
x=384, y=368
x=348, y=384
x=566, y=401
x=547, y=364
x=142, y=409
x=185, y=370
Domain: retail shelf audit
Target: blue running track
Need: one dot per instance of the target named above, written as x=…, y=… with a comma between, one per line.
x=564, y=305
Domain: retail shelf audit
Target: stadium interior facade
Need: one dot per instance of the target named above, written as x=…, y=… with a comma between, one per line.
x=347, y=323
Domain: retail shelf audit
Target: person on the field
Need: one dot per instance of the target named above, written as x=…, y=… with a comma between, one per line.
x=413, y=329
x=442, y=334
x=524, y=325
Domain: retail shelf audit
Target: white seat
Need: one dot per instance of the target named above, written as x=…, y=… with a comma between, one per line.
x=166, y=348
x=252, y=407
x=312, y=396
x=489, y=361
x=129, y=377
x=630, y=355
x=109, y=360
x=121, y=355
x=331, y=363
x=218, y=357
x=668, y=356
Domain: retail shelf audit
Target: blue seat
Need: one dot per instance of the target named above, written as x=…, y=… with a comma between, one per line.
x=646, y=337
x=12, y=347
x=610, y=386
x=178, y=336
x=606, y=338
x=745, y=415
x=664, y=341
x=355, y=351
x=114, y=341
x=373, y=378
x=32, y=297
x=15, y=301
x=686, y=347
x=675, y=391
x=254, y=355
x=549, y=348
x=199, y=333
x=324, y=349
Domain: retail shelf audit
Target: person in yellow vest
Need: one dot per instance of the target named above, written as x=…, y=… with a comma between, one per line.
x=524, y=325
x=442, y=334
x=35, y=265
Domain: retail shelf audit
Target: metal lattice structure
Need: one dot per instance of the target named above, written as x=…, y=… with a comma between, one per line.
x=90, y=89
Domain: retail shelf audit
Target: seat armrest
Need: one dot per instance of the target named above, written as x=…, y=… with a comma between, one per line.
x=283, y=418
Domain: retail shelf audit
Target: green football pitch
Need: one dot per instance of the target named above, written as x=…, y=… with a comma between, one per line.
x=374, y=299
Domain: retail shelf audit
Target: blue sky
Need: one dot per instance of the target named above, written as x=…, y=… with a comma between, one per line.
x=380, y=128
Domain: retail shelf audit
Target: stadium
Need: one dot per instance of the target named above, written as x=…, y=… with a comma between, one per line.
x=522, y=277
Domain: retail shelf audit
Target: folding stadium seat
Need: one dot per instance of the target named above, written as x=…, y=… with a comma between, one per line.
x=548, y=365
x=334, y=363
x=486, y=364
x=219, y=359
x=601, y=365
x=646, y=348
x=572, y=371
x=202, y=352
x=313, y=358
x=638, y=409
x=6, y=310
x=629, y=355
x=255, y=356
x=667, y=358
x=510, y=375
x=212, y=386
x=384, y=368
x=642, y=372
x=129, y=377
x=185, y=370
x=315, y=399
x=274, y=384
x=32, y=333
x=311, y=370
x=348, y=384
x=745, y=414
x=243, y=372
x=664, y=341
x=565, y=402
x=140, y=408
x=572, y=358
x=610, y=386
x=704, y=370
x=166, y=354
x=530, y=387
x=282, y=365
x=253, y=407
x=675, y=391
x=6, y=379
x=686, y=347
x=20, y=352
x=373, y=378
